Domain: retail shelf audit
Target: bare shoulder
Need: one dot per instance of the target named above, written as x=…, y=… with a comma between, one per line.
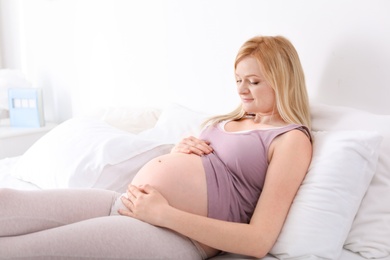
x=292, y=143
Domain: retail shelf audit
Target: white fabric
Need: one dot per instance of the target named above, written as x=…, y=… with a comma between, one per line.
x=117, y=177
x=322, y=213
x=75, y=153
x=345, y=255
x=370, y=232
x=129, y=119
x=9, y=181
x=174, y=123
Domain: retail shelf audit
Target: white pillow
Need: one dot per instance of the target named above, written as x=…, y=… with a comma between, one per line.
x=130, y=119
x=174, y=123
x=75, y=153
x=323, y=210
x=370, y=232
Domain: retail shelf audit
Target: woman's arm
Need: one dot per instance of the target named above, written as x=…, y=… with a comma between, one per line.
x=290, y=156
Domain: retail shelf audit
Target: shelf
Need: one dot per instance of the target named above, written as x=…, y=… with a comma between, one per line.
x=14, y=141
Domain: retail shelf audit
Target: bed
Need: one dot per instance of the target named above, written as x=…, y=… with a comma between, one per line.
x=341, y=211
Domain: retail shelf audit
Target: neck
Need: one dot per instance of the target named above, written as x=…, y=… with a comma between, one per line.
x=268, y=119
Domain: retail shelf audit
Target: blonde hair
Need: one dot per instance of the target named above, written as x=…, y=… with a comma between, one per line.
x=283, y=71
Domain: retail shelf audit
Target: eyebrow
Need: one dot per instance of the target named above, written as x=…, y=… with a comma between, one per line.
x=250, y=75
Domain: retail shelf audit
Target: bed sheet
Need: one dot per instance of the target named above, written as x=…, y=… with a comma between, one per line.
x=345, y=255
x=7, y=180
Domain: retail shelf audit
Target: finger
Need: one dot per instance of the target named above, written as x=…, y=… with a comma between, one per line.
x=180, y=148
x=194, y=145
x=197, y=151
x=202, y=145
x=134, y=191
x=146, y=188
x=130, y=197
x=125, y=212
x=200, y=148
x=127, y=201
x=128, y=210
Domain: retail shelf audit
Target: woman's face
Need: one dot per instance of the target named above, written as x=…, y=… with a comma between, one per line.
x=257, y=96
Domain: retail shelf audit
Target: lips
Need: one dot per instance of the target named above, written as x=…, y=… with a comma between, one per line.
x=246, y=100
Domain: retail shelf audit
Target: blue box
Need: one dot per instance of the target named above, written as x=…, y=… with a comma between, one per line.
x=26, y=107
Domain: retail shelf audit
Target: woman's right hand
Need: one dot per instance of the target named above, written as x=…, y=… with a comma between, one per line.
x=193, y=145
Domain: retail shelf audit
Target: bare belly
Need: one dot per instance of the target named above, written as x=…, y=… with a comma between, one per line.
x=180, y=178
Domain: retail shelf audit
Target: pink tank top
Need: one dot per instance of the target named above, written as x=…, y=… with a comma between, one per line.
x=235, y=170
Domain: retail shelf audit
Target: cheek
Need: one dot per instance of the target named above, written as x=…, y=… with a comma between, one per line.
x=264, y=93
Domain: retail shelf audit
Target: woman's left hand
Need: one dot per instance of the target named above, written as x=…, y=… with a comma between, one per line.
x=144, y=203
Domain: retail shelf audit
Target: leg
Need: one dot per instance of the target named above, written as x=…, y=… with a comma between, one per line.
x=23, y=212
x=113, y=237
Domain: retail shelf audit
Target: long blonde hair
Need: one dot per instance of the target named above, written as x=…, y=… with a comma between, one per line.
x=283, y=71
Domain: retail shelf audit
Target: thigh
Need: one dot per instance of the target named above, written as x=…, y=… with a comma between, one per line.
x=24, y=212
x=113, y=237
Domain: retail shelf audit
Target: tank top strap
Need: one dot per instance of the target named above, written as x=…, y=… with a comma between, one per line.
x=273, y=133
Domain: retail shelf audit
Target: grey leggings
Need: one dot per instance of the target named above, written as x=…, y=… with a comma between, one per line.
x=81, y=224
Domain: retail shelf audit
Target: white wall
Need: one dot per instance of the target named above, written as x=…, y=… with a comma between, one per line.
x=90, y=53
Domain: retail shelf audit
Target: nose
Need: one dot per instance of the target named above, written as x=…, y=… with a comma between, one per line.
x=242, y=87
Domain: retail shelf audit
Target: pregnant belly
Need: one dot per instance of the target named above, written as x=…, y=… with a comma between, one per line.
x=180, y=178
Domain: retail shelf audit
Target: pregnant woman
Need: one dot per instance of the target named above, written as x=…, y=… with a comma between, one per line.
x=228, y=190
